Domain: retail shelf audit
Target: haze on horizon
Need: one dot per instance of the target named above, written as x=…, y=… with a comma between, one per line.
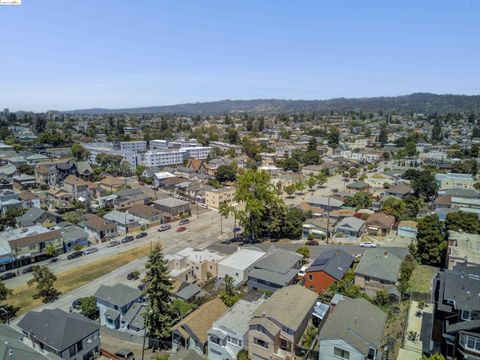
x=67, y=55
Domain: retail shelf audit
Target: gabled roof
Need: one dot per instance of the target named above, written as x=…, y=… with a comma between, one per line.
x=57, y=328
x=400, y=189
x=380, y=264
x=351, y=222
x=383, y=220
x=334, y=262
x=12, y=348
x=358, y=322
x=118, y=294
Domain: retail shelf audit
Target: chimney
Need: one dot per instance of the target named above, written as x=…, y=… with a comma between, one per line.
x=385, y=254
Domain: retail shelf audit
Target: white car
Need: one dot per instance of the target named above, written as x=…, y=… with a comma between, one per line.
x=368, y=244
x=90, y=250
x=302, y=271
x=203, y=206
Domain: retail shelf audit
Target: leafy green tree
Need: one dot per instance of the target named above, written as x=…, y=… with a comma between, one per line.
x=395, y=207
x=311, y=158
x=4, y=292
x=311, y=182
x=243, y=355
x=44, y=279
x=300, y=186
x=228, y=294
x=423, y=183
x=360, y=200
x=413, y=205
x=321, y=178
x=383, y=136
x=79, y=152
x=232, y=136
x=139, y=170
x=51, y=250
x=304, y=251
x=260, y=124
x=333, y=137
x=406, y=270
x=290, y=164
x=435, y=356
x=381, y=298
x=226, y=173
x=462, y=221
x=88, y=307
x=158, y=290
x=290, y=189
x=430, y=245
x=292, y=227
x=26, y=169
x=255, y=191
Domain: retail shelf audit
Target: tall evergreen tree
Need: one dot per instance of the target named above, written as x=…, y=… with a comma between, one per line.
x=158, y=290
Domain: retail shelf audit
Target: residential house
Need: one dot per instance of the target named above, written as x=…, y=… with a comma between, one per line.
x=119, y=307
x=330, y=267
x=239, y=264
x=32, y=244
x=358, y=186
x=98, y=228
x=229, y=334
x=76, y=186
x=24, y=182
x=276, y=269
x=126, y=198
x=327, y=203
x=172, y=208
x=29, y=199
x=59, y=172
x=147, y=213
x=192, y=331
x=407, y=229
x=125, y=222
x=454, y=180
x=69, y=336
x=179, y=270
x=349, y=227
x=189, y=292
x=111, y=183
x=318, y=227
x=314, y=170
x=73, y=236
x=197, y=165
x=203, y=263
x=354, y=330
x=214, y=197
x=379, y=180
x=278, y=324
x=457, y=312
x=13, y=347
x=463, y=249
x=84, y=169
x=36, y=216
x=378, y=269
x=9, y=200
x=399, y=190
x=379, y=224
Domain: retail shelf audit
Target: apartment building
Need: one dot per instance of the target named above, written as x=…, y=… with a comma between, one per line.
x=135, y=146
x=214, y=197
x=454, y=180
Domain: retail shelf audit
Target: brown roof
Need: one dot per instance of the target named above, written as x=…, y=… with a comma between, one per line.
x=172, y=181
x=307, y=207
x=112, y=181
x=143, y=211
x=97, y=223
x=42, y=169
x=195, y=164
x=27, y=195
x=400, y=188
x=74, y=180
x=201, y=320
x=381, y=219
x=35, y=239
x=342, y=212
x=443, y=200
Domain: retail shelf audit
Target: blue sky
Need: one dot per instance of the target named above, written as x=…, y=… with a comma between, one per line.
x=71, y=54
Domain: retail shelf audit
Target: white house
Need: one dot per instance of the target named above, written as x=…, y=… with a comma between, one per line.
x=239, y=264
x=229, y=334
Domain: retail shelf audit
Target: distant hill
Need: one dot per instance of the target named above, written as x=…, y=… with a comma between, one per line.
x=418, y=102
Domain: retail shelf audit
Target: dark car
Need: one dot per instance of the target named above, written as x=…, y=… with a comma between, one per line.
x=127, y=239
x=27, y=269
x=141, y=235
x=76, y=304
x=181, y=229
x=142, y=287
x=164, y=227
x=74, y=255
x=125, y=355
x=312, y=243
x=184, y=222
x=134, y=275
x=7, y=276
x=54, y=259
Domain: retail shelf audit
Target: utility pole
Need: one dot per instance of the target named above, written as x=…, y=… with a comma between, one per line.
x=328, y=218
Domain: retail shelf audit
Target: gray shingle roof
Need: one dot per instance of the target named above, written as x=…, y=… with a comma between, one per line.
x=334, y=262
x=278, y=260
x=118, y=294
x=12, y=348
x=462, y=285
x=380, y=264
x=358, y=322
x=57, y=328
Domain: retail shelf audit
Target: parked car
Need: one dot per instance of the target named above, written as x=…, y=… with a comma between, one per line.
x=7, y=276
x=203, y=206
x=141, y=235
x=90, y=250
x=113, y=243
x=127, y=239
x=301, y=273
x=27, y=269
x=54, y=259
x=164, y=227
x=368, y=244
x=312, y=242
x=75, y=255
x=76, y=304
x=184, y=222
x=181, y=229
x=141, y=287
x=125, y=355
x=134, y=275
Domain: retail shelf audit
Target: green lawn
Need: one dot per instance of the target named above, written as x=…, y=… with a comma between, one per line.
x=421, y=279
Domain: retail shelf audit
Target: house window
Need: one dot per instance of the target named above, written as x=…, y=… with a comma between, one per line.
x=261, y=329
x=465, y=315
x=215, y=340
x=367, y=279
x=344, y=354
x=310, y=277
x=79, y=346
x=72, y=350
x=197, y=344
x=260, y=343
